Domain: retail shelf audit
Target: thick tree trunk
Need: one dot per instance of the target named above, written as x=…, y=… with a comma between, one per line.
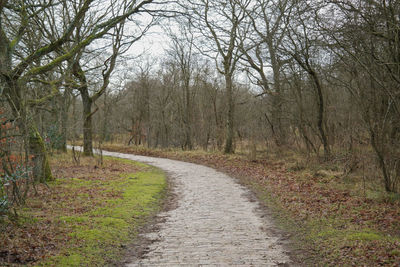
x=41, y=171
x=229, y=122
x=37, y=148
x=281, y=137
x=5, y=55
x=104, y=130
x=87, y=125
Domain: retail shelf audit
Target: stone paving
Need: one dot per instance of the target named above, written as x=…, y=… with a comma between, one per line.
x=214, y=224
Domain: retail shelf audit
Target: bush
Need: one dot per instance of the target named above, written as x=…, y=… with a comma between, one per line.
x=15, y=172
x=53, y=138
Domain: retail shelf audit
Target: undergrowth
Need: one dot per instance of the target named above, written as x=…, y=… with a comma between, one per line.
x=86, y=217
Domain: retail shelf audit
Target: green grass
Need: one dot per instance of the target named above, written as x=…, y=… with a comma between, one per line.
x=97, y=236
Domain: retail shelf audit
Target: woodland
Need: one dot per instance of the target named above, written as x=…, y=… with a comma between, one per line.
x=248, y=86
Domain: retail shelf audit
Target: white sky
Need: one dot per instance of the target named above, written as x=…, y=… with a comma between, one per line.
x=153, y=43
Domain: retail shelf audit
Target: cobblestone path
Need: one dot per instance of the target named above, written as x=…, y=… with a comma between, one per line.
x=214, y=224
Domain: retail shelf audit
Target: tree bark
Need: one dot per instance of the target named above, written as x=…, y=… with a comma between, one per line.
x=320, y=100
x=321, y=108
x=229, y=123
x=382, y=163
x=41, y=171
x=12, y=90
x=37, y=148
x=277, y=97
x=87, y=124
x=188, y=118
x=64, y=120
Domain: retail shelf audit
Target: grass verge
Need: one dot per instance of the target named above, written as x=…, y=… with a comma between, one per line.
x=86, y=217
x=333, y=220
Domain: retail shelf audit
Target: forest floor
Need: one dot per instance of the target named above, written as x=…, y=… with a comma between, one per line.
x=87, y=217
x=333, y=218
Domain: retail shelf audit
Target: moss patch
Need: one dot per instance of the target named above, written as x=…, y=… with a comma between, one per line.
x=102, y=231
x=88, y=215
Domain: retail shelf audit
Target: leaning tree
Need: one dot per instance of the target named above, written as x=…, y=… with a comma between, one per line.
x=24, y=59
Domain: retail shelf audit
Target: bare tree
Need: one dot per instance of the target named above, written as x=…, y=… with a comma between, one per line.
x=21, y=63
x=181, y=53
x=83, y=87
x=260, y=40
x=219, y=21
x=303, y=45
x=364, y=37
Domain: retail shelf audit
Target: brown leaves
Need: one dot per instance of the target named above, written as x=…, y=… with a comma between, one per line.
x=39, y=233
x=311, y=198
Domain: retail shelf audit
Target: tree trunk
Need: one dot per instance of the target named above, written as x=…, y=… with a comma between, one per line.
x=104, y=130
x=64, y=120
x=188, y=139
x=276, y=120
x=229, y=123
x=218, y=125
x=5, y=55
x=321, y=107
x=320, y=100
x=277, y=98
x=41, y=171
x=74, y=133
x=188, y=123
x=381, y=160
x=87, y=125
x=37, y=148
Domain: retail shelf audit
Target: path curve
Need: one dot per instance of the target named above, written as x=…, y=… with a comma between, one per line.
x=214, y=223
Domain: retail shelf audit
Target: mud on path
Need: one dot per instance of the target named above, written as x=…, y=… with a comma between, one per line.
x=214, y=224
